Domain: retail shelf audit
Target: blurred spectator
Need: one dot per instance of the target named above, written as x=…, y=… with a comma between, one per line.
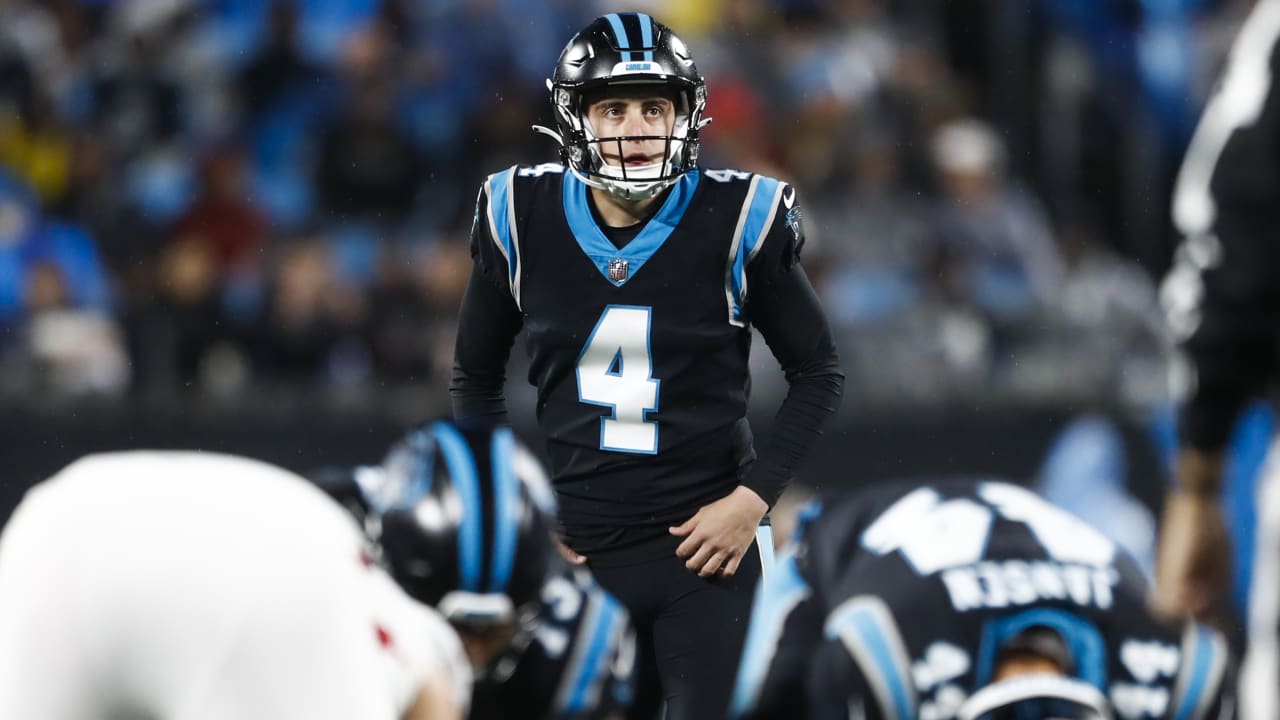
x=35, y=145
x=279, y=69
x=313, y=327
x=222, y=218
x=999, y=250
x=368, y=166
x=72, y=350
x=172, y=334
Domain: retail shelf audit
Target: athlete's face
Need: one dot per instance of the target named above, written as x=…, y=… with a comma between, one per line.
x=632, y=112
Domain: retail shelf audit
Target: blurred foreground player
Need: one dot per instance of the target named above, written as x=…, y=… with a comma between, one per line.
x=195, y=585
x=967, y=600
x=1222, y=298
x=544, y=640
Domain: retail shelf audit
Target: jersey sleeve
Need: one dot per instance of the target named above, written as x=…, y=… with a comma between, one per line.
x=779, y=250
x=494, y=234
x=784, y=307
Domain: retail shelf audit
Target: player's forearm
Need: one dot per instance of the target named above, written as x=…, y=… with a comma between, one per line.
x=811, y=400
x=792, y=322
x=488, y=322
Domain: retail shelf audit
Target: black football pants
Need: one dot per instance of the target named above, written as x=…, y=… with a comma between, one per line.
x=689, y=632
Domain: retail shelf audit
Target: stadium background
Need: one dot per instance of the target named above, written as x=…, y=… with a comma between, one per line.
x=241, y=225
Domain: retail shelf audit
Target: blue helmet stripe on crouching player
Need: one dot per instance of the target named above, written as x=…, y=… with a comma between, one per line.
x=1084, y=643
x=506, y=509
x=466, y=477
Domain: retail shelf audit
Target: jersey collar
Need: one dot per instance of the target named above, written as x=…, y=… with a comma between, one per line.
x=636, y=253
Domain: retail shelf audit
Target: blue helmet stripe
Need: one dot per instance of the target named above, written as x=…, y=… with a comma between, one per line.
x=590, y=668
x=506, y=514
x=466, y=479
x=646, y=35
x=620, y=34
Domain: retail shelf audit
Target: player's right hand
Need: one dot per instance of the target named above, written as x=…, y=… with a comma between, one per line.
x=1193, y=560
x=569, y=553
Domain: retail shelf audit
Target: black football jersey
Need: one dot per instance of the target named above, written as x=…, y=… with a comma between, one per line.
x=579, y=662
x=639, y=354
x=918, y=589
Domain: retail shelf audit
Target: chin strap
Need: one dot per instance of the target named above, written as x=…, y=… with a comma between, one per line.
x=549, y=133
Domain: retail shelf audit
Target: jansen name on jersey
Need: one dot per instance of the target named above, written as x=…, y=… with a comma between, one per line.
x=918, y=588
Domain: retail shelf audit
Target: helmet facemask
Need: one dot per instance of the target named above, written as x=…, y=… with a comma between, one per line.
x=583, y=152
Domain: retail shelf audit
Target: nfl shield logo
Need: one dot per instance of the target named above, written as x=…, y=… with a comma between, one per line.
x=617, y=269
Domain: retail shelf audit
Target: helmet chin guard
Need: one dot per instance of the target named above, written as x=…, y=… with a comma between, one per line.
x=626, y=49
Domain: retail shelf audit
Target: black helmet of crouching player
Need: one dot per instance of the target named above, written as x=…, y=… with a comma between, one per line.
x=626, y=49
x=463, y=523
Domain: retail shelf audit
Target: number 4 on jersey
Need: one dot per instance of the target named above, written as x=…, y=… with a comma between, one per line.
x=616, y=370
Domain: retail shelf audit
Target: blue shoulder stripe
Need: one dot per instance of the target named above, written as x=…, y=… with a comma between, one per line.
x=754, y=221
x=506, y=521
x=502, y=224
x=867, y=629
x=1204, y=658
x=777, y=594
x=467, y=480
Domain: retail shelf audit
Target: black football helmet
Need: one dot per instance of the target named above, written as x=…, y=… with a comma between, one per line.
x=462, y=523
x=626, y=49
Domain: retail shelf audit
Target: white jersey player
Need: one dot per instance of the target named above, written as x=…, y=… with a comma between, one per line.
x=185, y=585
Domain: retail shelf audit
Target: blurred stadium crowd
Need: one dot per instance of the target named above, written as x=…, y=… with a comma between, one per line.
x=217, y=196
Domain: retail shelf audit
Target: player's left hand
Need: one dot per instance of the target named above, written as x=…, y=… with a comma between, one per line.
x=718, y=535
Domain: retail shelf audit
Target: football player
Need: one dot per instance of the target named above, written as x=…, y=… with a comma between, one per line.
x=1223, y=305
x=966, y=599
x=636, y=277
x=546, y=642
x=197, y=585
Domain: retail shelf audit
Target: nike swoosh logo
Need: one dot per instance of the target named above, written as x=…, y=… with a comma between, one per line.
x=789, y=197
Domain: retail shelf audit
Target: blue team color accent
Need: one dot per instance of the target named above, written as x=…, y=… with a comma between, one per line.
x=646, y=35
x=620, y=33
x=466, y=478
x=499, y=193
x=776, y=595
x=589, y=668
x=757, y=213
x=868, y=633
x=1084, y=642
x=506, y=493
x=1201, y=663
x=637, y=252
